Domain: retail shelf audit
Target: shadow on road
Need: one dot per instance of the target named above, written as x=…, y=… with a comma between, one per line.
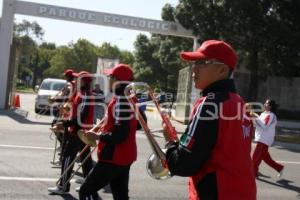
x=261, y=175
x=66, y=196
x=283, y=183
x=21, y=119
x=71, y=197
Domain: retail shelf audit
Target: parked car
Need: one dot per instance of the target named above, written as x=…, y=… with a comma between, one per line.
x=49, y=87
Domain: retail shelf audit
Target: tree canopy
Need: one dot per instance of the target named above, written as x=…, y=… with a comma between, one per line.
x=265, y=33
x=39, y=59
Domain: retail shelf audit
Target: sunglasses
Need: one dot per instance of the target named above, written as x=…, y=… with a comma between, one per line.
x=207, y=62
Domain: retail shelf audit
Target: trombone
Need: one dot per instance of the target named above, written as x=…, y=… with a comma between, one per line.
x=89, y=143
x=61, y=93
x=52, y=100
x=65, y=108
x=156, y=166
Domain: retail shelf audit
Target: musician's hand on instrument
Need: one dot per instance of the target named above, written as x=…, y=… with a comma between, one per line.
x=91, y=135
x=59, y=125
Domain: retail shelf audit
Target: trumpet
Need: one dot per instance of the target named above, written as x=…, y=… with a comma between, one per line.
x=156, y=166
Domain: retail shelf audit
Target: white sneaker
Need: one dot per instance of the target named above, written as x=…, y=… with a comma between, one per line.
x=56, y=163
x=279, y=175
x=57, y=190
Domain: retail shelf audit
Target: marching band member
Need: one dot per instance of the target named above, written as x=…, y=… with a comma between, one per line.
x=82, y=113
x=66, y=95
x=213, y=151
x=117, y=148
x=99, y=103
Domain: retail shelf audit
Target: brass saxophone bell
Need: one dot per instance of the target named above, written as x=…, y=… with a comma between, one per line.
x=85, y=139
x=156, y=169
x=156, y=165
x=67, y=107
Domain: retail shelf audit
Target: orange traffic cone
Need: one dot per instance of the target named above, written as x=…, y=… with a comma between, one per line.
x=17, y=101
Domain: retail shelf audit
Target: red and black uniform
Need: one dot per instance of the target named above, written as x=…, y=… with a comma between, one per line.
x=213, y=151
x=67, y=95
x=118, y=146
x=81, y=117
x=117, y=150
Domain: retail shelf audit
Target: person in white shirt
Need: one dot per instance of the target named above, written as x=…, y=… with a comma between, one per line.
x=264, y=136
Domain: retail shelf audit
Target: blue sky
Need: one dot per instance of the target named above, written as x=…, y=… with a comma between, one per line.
x=63, y=32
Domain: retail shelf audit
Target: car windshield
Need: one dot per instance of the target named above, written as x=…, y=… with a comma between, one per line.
x=49, y=85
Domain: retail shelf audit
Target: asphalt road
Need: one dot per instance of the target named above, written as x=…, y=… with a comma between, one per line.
x=26, y=150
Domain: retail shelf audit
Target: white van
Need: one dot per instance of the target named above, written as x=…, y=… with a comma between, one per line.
x=49, y=87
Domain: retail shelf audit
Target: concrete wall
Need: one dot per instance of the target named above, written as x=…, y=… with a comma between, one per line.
x=286, y=92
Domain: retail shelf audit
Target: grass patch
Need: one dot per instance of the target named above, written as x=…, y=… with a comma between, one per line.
x=24, y=90
x=287, y=137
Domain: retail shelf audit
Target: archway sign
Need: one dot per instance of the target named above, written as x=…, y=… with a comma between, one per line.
x=12, y=7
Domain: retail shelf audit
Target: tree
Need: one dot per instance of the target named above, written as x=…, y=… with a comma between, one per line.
x=251, y=26
x=170, y=48
x=80, y=56
x=25, y=34
x=46, y=45
x=147, y=67
x=86, y=55
x=158, y=56
x=26, y=28
x=106, y=50
x=64, y=57
x=46, y=53
x=126, y=57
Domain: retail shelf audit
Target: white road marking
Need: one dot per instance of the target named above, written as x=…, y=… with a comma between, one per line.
x=6, y=178
x=25, y=147
x=289, y=162
x=46, y=148
x=138, y=135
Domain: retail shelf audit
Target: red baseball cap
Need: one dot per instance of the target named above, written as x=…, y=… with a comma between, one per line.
x=84, y=76
x=121, y=72
x=69, y=72
x=213, y=50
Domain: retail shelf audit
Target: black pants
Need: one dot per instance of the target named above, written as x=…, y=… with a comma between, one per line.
x=64, y=142
x=58, y=136
x=73, y=145
x=103, y=174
